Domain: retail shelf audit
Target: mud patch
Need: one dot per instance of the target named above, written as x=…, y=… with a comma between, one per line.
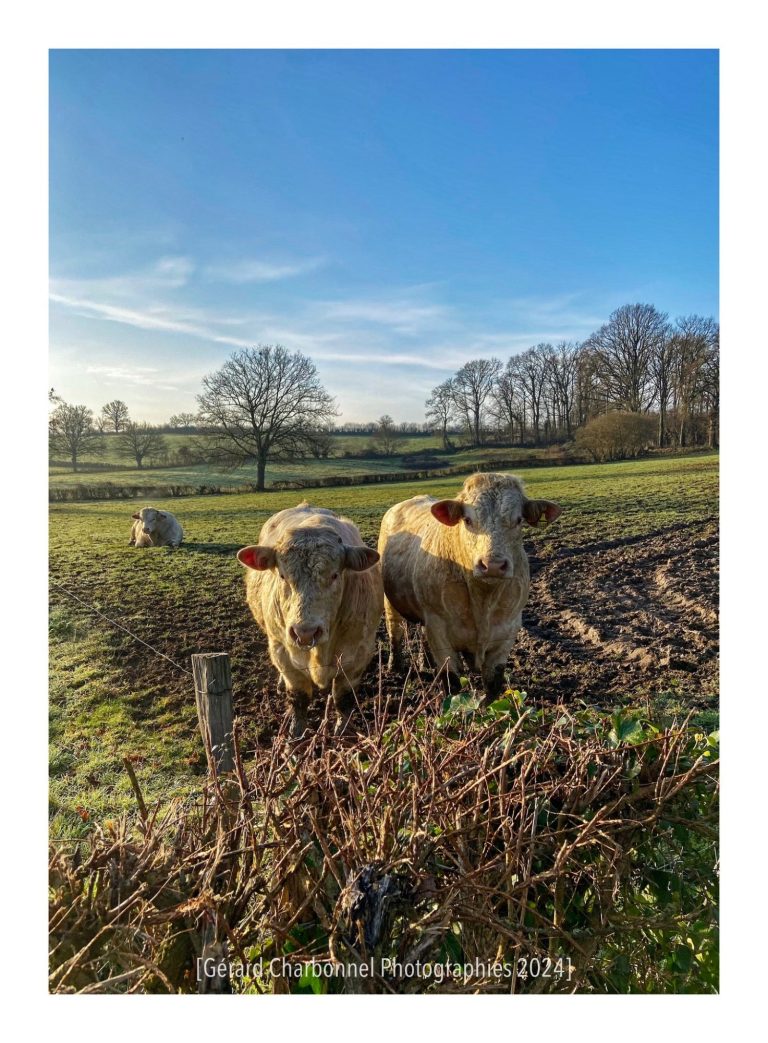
x=638, y=617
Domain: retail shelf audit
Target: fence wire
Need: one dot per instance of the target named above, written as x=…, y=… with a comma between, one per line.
x=114, y=623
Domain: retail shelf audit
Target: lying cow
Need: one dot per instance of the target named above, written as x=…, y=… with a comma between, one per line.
x=459, y=568
x=153, y=528
x=315, y=590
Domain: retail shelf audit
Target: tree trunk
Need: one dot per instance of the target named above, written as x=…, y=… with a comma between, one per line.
x=74, y=460
x=261, y=467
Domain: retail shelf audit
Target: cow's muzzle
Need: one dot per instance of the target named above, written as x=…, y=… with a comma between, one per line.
x=493, y=568
x=305, y=637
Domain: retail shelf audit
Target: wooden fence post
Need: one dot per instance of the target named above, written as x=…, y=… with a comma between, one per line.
x=213, y=696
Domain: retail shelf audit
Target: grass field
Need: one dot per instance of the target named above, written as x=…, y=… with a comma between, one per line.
x=111, y=467
x=632, y=560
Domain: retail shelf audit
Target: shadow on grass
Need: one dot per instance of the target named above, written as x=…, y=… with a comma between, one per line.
x=212, y=548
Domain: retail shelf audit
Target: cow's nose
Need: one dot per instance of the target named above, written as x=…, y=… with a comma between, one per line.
x=494, y=568
x=305, y=636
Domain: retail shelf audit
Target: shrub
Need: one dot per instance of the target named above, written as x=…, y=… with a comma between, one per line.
x=442, y=834
x=616, y=436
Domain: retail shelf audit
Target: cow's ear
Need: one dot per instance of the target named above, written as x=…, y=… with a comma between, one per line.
x=259, y=558
x=136, y=516
x=448, y=512
x=535, y=510
x=360, y=558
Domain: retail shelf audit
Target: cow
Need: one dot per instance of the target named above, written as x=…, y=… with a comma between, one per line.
x=315, y=590
x=458, y=567
x=154, y=528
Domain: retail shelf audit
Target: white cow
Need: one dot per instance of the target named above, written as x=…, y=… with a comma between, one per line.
x=153, y=528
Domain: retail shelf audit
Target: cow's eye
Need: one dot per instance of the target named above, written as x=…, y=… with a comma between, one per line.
x=519, y=520
x=468, y=522
x=334, y=577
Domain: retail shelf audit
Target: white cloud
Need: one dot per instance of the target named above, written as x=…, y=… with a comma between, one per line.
x=400, y=314
x=155, y=319
x=251, y=270
x=142, y=375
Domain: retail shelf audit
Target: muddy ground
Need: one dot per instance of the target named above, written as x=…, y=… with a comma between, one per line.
x=607, y=623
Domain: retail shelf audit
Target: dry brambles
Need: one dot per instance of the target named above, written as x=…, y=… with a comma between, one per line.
x=440, y=834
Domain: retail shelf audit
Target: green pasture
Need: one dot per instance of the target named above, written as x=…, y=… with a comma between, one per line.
x=110, y=466
x=111, y=697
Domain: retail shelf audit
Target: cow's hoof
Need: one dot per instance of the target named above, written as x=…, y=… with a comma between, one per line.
x=342, y=722
x=452, y=683
x=299, y=728
x=396, y=662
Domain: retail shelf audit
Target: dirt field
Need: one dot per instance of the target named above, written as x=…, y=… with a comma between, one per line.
x=624, y=617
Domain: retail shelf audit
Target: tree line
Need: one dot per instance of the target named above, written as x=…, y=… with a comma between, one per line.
x=637, y=363
x=636, y=381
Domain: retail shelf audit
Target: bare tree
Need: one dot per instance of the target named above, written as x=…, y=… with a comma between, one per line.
x=531, y=370
x=472, y=386
x=710, y=386
x=139, y=441
x=506, y=403
x=71, y=431
x=440, y=410
x=696, y=343
x=661, y=368
x=115, y=415
x=386, y=436
x=563, y=370
x=262, y=402
x=183, y=421
x=623, y=350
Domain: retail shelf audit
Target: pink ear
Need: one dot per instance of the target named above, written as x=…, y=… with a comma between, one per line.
x=259, y=558
x=358, y=559
x=136, y=516
x=534, y=509
x=448, y=512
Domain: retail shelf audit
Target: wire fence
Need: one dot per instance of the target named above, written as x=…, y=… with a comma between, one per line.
x=119, y=626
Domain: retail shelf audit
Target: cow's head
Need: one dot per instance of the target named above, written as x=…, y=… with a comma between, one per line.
x=491, y=510
x=150, y=519
x=310, y=564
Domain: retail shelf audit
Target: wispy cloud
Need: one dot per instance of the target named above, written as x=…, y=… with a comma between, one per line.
x=149, y=376
x=156, y=319
x=248, y=270
x=390, y=346
x=164, y=275
x=402, y=315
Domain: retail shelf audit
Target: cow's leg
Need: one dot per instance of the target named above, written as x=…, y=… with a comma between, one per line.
x=426, y=662
x=396, y=631
x=493, y=682
x=446, y=657
x=343, y=700
x=493, y=669
x=298, y=689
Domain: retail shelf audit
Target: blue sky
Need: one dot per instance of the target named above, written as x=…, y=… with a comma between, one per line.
x=389, y=213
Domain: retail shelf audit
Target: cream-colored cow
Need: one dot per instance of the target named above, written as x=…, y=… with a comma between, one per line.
x=459, y=568
x=153, y=528
x=315, y=590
